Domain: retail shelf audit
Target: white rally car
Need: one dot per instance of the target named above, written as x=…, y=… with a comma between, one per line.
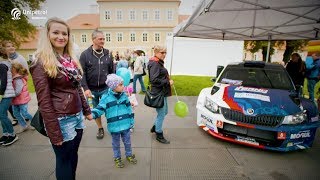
x=256, y=104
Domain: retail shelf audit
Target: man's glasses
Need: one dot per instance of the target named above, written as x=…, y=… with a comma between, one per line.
x=163, y=52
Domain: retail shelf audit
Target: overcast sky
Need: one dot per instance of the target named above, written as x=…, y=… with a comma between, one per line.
x=66, y=9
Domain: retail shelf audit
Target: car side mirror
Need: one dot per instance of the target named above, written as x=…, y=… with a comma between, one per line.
x=214, y=79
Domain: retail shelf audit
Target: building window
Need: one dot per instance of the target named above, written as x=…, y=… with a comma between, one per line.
x=144, y=15
x=157, y=37
x=30, y=57
x=119, y=15
x=144, y=37
x=84, y=38
x=108, y=15
x=119, y=37
x=108, y=37
x=157, y=15
x=170, y=15
x=73, y=38
x=132, y=15
x=133, y=37
x=169, y=34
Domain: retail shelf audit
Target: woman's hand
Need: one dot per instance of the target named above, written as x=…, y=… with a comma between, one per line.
x=87, y=93
x=89, y=117
x=171, y=82
x=58, y=144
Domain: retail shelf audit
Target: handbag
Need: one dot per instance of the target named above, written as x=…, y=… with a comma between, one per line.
x=154, y=100
x=37, y=123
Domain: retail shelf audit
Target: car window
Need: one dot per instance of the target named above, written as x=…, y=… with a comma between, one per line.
x=275, y=78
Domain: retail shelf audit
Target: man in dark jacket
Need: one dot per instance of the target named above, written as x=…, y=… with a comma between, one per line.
x=97, y=64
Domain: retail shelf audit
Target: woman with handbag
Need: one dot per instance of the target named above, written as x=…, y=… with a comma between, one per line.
x=160, y=83
x=56, y=76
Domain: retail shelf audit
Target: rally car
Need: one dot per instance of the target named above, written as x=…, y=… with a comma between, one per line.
x=256, y=104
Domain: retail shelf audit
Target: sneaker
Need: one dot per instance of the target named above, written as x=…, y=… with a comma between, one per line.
x=3, y=139
x=22, y=129
x=132, y=159
x=14, y=122
x=118, y=162
x=10, y=140
x=100, y=133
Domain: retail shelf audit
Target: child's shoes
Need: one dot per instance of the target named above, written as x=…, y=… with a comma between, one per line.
x=118, y=162
x=132, y=159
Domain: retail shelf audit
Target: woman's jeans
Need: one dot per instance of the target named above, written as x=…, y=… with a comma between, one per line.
x=161, y=113
x=67, y=154
x=67, y=157
x=311, y=84
x=125, y=136
x=7, y=127
x=21, y=113
x=135, y=78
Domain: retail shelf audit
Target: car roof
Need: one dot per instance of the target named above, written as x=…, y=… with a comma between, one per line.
x=258, y=64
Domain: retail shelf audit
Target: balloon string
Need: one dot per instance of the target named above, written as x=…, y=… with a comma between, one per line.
x=175, y=92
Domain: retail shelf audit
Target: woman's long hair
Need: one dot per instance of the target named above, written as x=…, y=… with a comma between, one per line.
x=300, y=63
x=45, y=51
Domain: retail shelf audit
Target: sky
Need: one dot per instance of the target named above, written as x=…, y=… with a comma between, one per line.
x=66, y=9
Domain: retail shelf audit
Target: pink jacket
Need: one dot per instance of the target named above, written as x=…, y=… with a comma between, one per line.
x=24, y=96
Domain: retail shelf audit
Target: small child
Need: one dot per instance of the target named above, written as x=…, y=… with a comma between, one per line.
x=117, y=107
x=20, y=102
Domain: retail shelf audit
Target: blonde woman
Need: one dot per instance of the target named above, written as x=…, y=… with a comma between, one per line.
x=160, y=82
x=56, y=75
x=6, y=95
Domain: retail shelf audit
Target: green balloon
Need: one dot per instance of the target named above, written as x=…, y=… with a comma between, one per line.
x=181, y=109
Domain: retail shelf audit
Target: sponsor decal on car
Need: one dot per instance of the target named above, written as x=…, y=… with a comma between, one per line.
x=247, y=140
x=301, y=134
x=207, y=119
x=250, y=89
x=252, y=96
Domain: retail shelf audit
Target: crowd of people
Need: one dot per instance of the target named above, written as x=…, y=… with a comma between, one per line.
x=63, y=83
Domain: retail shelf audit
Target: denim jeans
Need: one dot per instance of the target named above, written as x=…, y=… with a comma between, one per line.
x=135, y=78
x=97, y=96
x=311, y=84
x=69, y=124
x=6, y=124
x=161, y=113
x=125, y=136
x=21, y=112
x=67, y=157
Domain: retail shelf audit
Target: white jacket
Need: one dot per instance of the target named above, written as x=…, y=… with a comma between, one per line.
x=138, y=65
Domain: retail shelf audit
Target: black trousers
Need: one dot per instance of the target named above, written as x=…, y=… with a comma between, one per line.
x=67, y=157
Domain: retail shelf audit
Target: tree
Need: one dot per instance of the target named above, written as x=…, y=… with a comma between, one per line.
x=255, y=46
x=20, y=30
x=291, y=46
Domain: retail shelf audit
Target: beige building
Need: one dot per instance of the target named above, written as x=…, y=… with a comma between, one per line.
x=126, y=24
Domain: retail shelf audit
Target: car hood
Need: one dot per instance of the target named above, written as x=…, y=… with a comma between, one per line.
x=256, y=101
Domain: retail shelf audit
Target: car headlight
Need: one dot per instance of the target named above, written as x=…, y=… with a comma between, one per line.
x=295, y=119
x=211, y=106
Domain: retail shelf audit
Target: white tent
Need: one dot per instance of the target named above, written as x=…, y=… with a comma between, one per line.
x=254, y=20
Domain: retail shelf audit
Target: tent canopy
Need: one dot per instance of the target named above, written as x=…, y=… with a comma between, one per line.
x=254, y=20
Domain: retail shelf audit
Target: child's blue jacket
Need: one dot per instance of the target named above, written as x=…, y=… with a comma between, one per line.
x=118, y=111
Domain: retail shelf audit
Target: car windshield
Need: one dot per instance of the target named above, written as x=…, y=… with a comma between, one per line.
x=275, y=78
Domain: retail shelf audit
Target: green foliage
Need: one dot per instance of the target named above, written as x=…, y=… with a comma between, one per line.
x=20, y=30
x=292, y=46
x=30, y=84
x=188, y=85
x=255, y=46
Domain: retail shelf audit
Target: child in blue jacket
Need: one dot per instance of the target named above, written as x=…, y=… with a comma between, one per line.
x=117, y=107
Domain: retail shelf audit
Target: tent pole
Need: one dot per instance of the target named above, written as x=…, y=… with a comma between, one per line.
x=268, y=50
x=171, y=55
